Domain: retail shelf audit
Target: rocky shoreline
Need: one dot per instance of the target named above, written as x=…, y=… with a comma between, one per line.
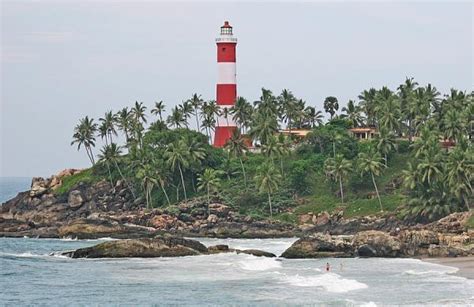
x=91, y=211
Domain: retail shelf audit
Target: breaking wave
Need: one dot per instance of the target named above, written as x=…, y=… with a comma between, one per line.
x=330, y=282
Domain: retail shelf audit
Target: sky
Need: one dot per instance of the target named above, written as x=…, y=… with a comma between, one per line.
x=63, y=60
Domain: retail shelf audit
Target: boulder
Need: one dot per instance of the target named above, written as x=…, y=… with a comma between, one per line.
x=219, y=210
x=322, y=218
x=144, y=248
x=319, y=246
x=373, y=243
x=212, y=218
x=39, y=186
x=75, y=199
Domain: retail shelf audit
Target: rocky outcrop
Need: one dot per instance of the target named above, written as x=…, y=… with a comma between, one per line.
x=144, y=248
x=162, y=246
x=373, y=243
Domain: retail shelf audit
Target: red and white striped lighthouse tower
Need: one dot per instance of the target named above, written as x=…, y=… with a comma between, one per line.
x=226, y=90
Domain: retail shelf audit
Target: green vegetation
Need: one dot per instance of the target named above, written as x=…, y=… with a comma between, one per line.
x=470, y=222
x=86, y=176
x=404, y=169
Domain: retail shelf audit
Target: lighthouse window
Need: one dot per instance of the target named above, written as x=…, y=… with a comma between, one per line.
x=223, y=49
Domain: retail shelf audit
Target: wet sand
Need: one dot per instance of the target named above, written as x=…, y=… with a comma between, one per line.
x=464, y=264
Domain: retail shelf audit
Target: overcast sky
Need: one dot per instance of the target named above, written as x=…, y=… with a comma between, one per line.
x=62, y=61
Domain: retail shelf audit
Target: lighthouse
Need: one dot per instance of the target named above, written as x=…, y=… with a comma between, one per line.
x=226, y=89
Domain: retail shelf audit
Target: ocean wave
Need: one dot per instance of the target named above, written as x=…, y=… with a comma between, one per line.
x=259, y=264
x=330, y=282
x=451, y=270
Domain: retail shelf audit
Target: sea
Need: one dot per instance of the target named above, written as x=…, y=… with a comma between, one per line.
x=32, y=272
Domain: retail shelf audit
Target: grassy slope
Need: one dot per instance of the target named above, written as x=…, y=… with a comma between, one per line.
x=356, y=189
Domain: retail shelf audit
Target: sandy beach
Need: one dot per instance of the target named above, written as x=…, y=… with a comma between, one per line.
x=464, y=264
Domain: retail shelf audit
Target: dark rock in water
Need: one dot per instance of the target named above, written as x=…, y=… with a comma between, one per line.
x=256, y=252
x=221, y=248
x=144, y=248
x=320, y=246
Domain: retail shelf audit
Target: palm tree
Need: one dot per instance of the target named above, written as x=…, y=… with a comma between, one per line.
x=209, y=123
x=313, y=117
x=84, y=134
x=145, y=174
x=388, y=109
x=196, y=102
x=107, y=127
x=241, y=112
x=267, y=179
x=186, y=110
x=337, y=169
x=353, y=113
x=331, y=105
x=263, y=127
x=138, y=112
x=111, y=154
x=287, y=107
x=452, y=125
x=209, y=181
x=236, y=147
x=123, y=120
x=370, y=163
x=177, y=155
x=176, y=118
x=386, y=143
x=158, y=109
x=460, y=173
x=368, y=105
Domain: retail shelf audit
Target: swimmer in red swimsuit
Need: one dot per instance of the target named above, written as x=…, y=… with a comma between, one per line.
x=327, y=267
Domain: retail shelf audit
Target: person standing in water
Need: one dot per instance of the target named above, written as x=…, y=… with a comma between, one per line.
x=328, y=267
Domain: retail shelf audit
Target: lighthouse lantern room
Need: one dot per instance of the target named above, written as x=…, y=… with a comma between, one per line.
x=226, y=89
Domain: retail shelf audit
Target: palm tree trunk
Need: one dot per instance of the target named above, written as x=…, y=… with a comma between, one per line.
x=281, y=165
x=270, y=205
x=197, y=119
x=166, y=194
x=243, y=171
x=146, y=196
x=182, y=181
x=377, y=191
x=208, y=201
x=110, y=175
x=386, y=161
x=90, y=154
x=334, y=148
x=340, y=187
x=126, y=181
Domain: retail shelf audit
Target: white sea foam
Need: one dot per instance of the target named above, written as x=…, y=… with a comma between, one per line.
x=329, y=281
x=259, y=264
x=449, y=270
x=369, y=304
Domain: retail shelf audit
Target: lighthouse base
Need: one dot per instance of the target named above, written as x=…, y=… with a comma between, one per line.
x=222, y=135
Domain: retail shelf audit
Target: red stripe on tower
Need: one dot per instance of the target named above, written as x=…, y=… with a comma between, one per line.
x=226, y=89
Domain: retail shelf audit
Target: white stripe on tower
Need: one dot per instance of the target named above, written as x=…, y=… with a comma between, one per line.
x=226, y=73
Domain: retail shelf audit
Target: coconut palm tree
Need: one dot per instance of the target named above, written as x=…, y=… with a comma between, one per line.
x=186, y=109
x=208, y=123
x=368, y=104
x=123, y=120
x=371, y=163
x=331, y=105
x=139, y=112
x=263, y=127
x=267, y=179
x=452, y=124
x=177, y=157
x=111, y=154
x=241, y=113
x=196, y=102
x=337, y=169
x=176, y=118
x=287, y=103
x=314, y=118
x=159, y=109
x=107, y=126
x=146, y=176
x=236, y=147
x=388, y=109
x=210, y=182
x=84, y=135
x=386, y=143
x=460, y=172
x=353, y=113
